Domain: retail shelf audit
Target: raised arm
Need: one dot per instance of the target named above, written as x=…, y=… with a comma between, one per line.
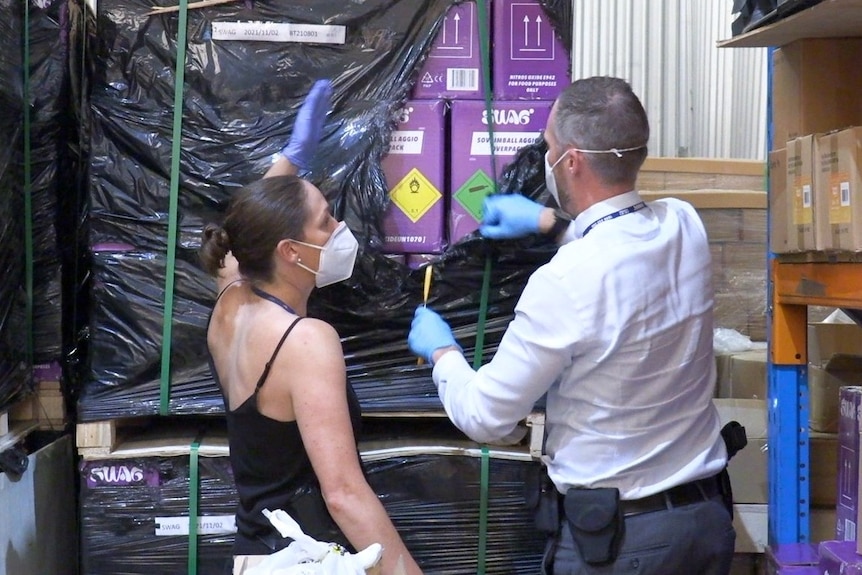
x=307, y=131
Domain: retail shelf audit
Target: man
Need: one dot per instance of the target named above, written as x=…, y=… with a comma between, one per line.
x=617, y=330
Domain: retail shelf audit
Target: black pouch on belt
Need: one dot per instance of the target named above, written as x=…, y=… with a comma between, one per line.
x=596, y=522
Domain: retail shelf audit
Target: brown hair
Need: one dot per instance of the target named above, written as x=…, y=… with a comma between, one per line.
x=259, y=216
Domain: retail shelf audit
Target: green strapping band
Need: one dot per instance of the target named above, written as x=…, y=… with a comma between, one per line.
x=483, y=510
x=176, y=145
x=28, y=193
x=484, y=43
x=194, y=491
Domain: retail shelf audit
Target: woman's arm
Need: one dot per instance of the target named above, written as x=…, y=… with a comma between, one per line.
x=318, y=394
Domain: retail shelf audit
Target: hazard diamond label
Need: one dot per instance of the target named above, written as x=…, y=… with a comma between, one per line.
x=414, y=195
x=473, y=193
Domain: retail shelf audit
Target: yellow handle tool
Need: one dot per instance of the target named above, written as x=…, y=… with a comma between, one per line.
x=425, y=291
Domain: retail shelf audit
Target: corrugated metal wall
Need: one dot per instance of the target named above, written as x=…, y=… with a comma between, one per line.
x=702, y=101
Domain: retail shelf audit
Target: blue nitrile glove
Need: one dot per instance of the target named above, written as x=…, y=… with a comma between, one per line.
x=428, y=333
x=309, y=125
x=509, y=216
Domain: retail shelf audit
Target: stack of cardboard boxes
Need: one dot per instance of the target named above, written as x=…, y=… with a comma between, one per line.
x=815, y=199
x=440, y=167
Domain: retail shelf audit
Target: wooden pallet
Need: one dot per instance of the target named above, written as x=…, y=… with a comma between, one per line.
x=46, y=407
x=153, y=436
x=148, y=437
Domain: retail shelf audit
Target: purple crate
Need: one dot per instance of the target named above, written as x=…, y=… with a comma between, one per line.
x=848, y=463
x=516, y=124
x=529, y=60
x=839, y=557
x=415, y=175
x=453, y=69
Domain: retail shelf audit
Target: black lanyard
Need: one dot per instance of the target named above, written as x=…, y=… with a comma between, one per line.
x=629, y=210
x=273, y=299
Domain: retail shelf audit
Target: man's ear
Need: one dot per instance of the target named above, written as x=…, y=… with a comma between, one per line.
x=574, y=162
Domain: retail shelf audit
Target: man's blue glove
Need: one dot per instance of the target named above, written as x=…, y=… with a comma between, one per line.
x=428, y=333
x=308, y=127
x=509, y=216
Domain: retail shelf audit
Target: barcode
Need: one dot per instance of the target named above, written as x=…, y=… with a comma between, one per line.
x=849, y=530
x=845, y=193
x=465, y=79
x=806, y=196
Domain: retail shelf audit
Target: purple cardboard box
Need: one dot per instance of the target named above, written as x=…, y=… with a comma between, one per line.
x=453, y=69
x=529, y=60
x=839, y=558
x=516, y=124
x=848, y=463
x=414, y=170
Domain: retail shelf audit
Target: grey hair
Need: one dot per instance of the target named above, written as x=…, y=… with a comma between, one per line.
x=603, y=113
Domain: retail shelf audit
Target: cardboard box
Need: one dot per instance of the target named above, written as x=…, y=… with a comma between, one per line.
x=800, y=190
x=848, y=463
x=839, y=558
x=839, y=186
x=742, y=375
x=815, y=87
x=826, y=340
x=453, y=69
x=748, y=476
x=824, y=384
x=472, y=177
x=823, y=466
x=781, y=206
x=530, y=61
x=415, y=175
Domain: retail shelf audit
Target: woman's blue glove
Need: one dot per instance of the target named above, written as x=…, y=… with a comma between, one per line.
x=308, y=127
x=428, y=333
x=509, y=216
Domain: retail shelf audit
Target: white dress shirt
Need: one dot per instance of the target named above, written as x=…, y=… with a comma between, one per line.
x=617, y=329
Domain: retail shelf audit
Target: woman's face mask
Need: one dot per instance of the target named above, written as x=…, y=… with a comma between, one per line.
x=337, y=257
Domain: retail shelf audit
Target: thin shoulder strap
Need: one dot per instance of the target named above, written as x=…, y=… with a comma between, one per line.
x=268, y=366
x=224, y=289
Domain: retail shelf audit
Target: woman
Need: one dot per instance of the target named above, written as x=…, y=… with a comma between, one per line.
x=292, y=417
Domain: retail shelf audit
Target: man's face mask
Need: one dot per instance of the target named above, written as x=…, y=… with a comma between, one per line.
x=337, y=257
x=550, y=179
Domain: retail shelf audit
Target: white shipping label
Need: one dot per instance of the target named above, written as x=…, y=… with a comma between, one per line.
x=407, y=142
x=279, y=32
x=207, y=525
x=505, y=143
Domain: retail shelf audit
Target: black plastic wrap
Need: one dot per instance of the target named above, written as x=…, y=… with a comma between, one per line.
x=128, y=295
x=14, y=368
x=432, y=495
x=121, y=499
x=240, y=101
x=50, y=132
x=433, y=500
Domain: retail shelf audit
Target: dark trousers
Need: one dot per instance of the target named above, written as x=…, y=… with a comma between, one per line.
x=695, y=539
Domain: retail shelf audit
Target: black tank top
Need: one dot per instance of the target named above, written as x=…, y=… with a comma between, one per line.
x=272, y=470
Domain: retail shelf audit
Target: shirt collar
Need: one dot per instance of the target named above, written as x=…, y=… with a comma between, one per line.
x=603, y=208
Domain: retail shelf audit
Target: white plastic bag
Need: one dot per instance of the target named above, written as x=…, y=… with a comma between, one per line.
x=307, y=556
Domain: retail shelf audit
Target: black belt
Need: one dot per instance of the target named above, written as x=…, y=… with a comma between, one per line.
x=685, y=494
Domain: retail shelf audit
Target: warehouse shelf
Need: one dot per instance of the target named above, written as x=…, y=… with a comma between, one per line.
x=828, y=19
x=797, y=281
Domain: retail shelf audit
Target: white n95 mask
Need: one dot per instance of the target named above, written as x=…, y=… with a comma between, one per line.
x=337, y=257
x=551, y=180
